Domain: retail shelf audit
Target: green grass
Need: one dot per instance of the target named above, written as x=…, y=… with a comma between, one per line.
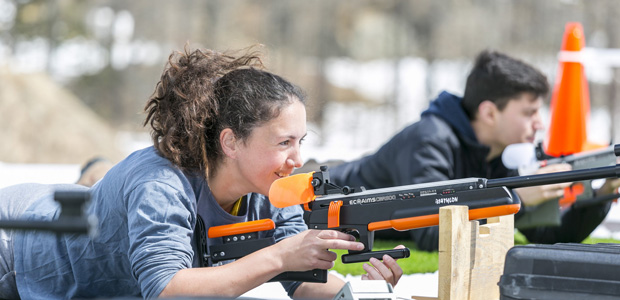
x=418, y=262
x=592, y=240
x=422, y=261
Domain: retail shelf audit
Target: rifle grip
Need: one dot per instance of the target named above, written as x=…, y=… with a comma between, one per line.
x=363, y=257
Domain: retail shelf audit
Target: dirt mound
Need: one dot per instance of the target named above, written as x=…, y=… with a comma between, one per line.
x=40, y=122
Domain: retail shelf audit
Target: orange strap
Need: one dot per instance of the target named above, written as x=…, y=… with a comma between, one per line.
x=239, y=228
x=432, y=220
x=333, y=214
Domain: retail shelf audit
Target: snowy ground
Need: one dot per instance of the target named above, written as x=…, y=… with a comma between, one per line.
x=424, y=285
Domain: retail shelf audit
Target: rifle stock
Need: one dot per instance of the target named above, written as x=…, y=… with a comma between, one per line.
x=241, y=239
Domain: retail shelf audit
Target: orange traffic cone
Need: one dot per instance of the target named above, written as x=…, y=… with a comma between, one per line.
x=570, y=106
x=570, y=100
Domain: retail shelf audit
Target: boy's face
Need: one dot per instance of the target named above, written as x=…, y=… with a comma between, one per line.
x=519, y=120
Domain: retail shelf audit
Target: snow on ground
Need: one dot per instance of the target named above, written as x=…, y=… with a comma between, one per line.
x=11, y=174
x=424, y=285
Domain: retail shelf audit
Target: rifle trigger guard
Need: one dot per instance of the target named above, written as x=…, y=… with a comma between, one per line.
x=333, y=214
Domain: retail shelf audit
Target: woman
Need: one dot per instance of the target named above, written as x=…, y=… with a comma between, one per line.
x=223, y=131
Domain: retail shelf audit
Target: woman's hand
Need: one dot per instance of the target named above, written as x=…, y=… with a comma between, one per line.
x=309, y=249
x=387, y=270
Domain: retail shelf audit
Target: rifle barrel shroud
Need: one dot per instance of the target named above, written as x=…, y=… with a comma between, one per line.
x=568, y=176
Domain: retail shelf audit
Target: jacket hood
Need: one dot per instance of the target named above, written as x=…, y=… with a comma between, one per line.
x=448, y=107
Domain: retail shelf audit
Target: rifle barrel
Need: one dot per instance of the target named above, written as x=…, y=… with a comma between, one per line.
x=558, y=177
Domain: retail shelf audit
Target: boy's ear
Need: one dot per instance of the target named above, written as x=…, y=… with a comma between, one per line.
x=228, y=142
x=487, y=112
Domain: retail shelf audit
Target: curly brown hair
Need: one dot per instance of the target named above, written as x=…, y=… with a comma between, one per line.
x=202, y=92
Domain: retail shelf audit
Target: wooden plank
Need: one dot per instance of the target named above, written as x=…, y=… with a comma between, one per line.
x=471, y=256
x=490, y=243
x=454, y=252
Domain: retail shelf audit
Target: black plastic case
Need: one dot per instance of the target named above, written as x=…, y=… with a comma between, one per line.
x=562, y=271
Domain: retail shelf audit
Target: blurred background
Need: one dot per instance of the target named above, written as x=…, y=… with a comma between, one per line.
x=75, y=75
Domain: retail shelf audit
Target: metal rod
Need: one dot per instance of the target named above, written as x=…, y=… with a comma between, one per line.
x=74, y=225
x=558, y=177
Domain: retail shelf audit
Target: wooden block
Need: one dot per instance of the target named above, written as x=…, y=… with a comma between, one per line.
x=471, y=256
x=454, y=252
x=490, y=243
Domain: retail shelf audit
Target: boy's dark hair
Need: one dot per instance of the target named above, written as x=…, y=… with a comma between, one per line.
x=499, y=78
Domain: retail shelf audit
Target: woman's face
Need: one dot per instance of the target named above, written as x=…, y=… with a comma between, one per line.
x=272, y=150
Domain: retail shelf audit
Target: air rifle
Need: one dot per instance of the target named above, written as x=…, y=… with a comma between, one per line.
x=587, y=159
x=527, y=158
x=584, y=194
x=363, y=212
